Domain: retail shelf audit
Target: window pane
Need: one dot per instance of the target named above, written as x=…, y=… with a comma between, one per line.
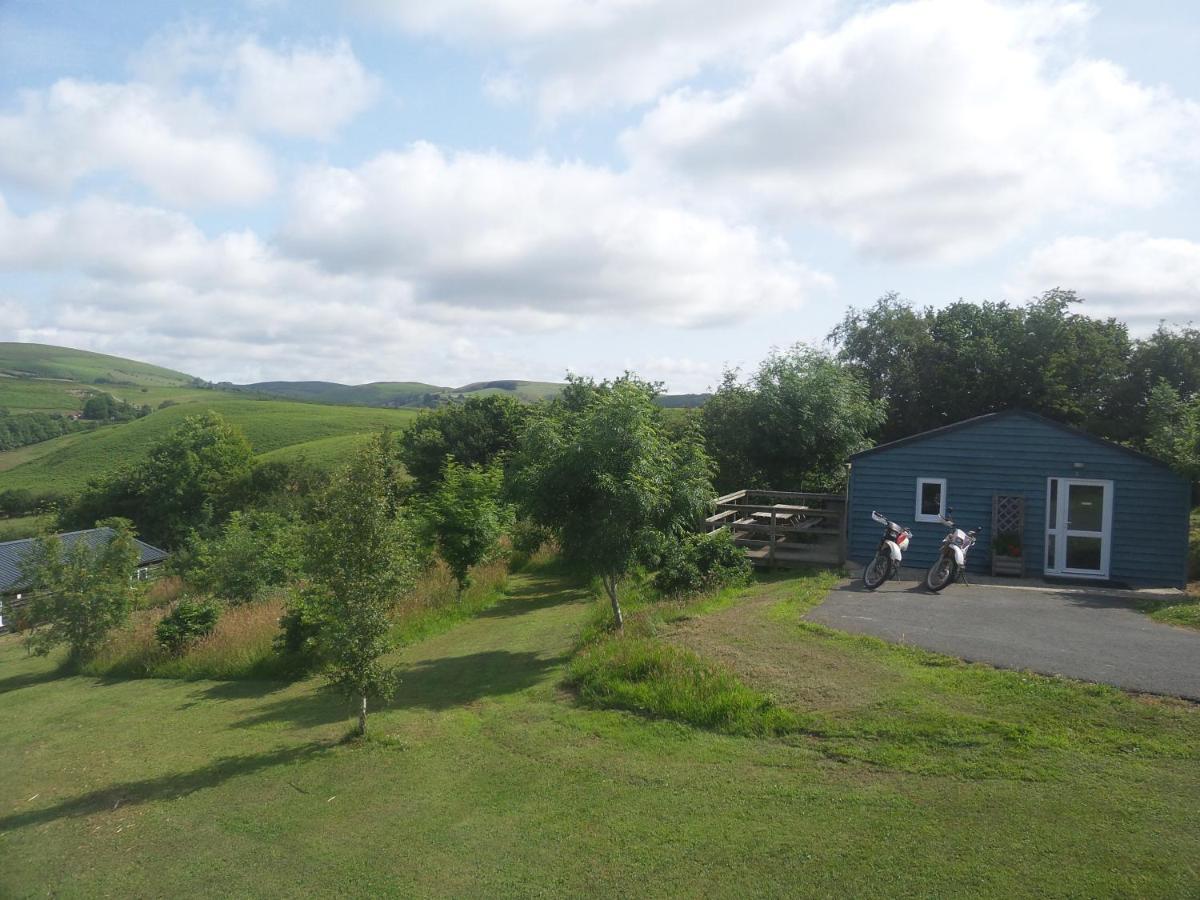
x=931, y=498
x=1083, y=553
x=1085, y=507
x=1051, y=546
x=1052, y=512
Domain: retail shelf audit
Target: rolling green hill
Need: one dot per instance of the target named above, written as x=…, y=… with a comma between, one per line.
x=45, y=361
x=418, y=394
x=401, y=393
x=65, y=464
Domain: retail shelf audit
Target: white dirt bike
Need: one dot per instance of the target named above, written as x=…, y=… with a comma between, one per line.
x=952, y=561
x=886, y=562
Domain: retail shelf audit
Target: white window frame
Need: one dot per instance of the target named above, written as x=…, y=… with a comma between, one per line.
x=924, y=517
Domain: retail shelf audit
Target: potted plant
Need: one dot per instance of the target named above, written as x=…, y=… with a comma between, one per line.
x=1007, y=558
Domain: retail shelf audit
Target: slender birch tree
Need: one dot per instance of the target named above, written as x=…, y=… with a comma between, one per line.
x=361, y=558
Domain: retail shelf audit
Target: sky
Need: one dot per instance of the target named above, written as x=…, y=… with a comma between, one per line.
x=397, y=190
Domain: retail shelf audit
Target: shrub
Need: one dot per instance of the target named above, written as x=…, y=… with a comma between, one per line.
x=299, y=629
x=255, y=550
x=526, y=538
x=701, y=562
x=190, y=620
x=1194, y=548
x=1007, y=543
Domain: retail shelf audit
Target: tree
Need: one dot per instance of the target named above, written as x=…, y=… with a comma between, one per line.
x=360, y=557
x=78, y=593
x=1174, y=429
x=791, y=425
x=256, y=549
x=600, y=470
x=476, y=432
x=466, y=516
x=935, y=367
x=185, y=483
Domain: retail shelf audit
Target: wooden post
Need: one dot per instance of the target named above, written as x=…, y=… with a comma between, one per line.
x=771, y=547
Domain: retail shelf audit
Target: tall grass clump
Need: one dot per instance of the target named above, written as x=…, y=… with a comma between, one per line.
x=434, y=605
x=635, y=670
x=239, y=646
x=654, y=678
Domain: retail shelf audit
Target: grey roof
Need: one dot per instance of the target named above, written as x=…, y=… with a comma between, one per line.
x=12, y=553
x=1007, y=413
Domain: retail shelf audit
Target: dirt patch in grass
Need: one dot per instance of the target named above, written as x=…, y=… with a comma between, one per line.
x=747, y=640
x=900, y=708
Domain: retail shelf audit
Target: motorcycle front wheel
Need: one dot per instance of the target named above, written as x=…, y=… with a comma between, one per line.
x=941, y=573
x=877, y=571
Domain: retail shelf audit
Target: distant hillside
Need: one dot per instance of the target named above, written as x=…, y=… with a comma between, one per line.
x=378, y=393
x=420, y=394
x=45, y=361
x=276, y=427
x=400, y=393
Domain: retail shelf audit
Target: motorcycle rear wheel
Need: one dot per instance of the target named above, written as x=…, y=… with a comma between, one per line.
x=878, y=570
x=941, y=573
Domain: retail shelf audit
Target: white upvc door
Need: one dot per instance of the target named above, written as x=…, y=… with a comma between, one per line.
x=1078, y=527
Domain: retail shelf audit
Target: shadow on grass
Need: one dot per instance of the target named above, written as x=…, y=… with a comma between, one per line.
x=438, y=684
x=29, y=679
x=537, y=594
x=164, y=787
x=234, y=690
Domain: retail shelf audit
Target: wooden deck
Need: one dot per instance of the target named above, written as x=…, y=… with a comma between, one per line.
x=784, y=528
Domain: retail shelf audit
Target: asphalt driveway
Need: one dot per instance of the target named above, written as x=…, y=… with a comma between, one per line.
x=1092, y=635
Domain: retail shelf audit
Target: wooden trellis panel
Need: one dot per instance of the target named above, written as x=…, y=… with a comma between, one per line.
x=1008, y=516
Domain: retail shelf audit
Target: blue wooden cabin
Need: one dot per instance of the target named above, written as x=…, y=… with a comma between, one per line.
x=1091, y=509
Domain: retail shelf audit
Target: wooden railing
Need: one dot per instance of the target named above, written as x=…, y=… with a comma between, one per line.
x=784, y=528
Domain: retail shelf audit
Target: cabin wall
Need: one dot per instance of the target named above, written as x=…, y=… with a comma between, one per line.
x=1016, y=455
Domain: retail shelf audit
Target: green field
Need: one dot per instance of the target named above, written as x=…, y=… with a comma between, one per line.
x=402, y=393
x=45, y=361
x=918, y=776
x=21, y=527
x=65, y=464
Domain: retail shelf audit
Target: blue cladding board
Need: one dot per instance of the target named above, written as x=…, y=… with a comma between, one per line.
x=1015, y=453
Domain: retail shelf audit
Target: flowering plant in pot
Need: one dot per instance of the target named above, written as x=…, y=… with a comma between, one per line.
x=1007, y=543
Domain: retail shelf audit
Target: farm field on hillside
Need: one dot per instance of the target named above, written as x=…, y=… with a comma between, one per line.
x=485, y=776
x=46, y=361
x=65, y=464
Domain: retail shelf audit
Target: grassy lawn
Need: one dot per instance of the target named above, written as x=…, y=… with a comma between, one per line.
x=912, y=775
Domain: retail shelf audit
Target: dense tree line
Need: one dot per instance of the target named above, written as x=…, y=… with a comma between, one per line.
x=932, y=366
x=22, y=429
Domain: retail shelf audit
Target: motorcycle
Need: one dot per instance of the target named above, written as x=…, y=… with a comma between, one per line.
x=952, y=560
x=886, y=562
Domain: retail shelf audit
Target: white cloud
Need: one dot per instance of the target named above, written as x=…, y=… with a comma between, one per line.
x=586, y=53
x=447, y=268
x=183, y=128
x=1137, y=278
x=489, y=232
x=299, y=90
x=930, y=129
x=174, y=145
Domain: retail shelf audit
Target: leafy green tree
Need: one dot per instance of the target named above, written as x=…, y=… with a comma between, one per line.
x=791, y=425
x=476, y=432
x=255, y=550
x=360, y=557
x=600, y=470
x=1174, y=429
x=467, y=517
x=186, y=483
x=934, y=367
x=79, y=594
